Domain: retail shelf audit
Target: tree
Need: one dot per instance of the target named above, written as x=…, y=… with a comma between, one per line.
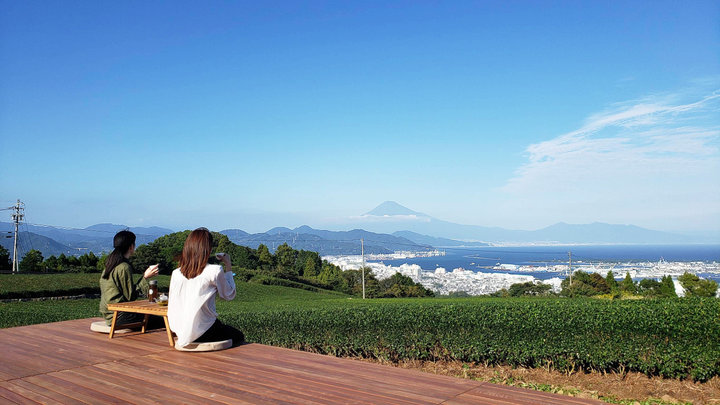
x=285, y=258
x=308, y=264
x=584, y=284
x=148, y=255
x=62, y=262
x=667, y=287
x=694, y=286
x=628, y=285
x=5, y=263
x=310, y=269
x=399, y=285
x=88, y=262
x=100, y=266
x=528, y=288
x=51, y=263
x=610, y=281
x=265, y=259
x=332, y=275
x=353, y=281
x=598, y=282
x=649, y=287
x=32, y=261
x=73, y=264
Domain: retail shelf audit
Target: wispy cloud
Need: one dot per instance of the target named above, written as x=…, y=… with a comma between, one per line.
x=657, y=156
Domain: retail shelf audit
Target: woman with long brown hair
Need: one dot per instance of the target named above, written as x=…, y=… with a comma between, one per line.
x=193, y=286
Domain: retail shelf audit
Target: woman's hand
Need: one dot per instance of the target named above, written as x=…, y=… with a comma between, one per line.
x=225, y=259
x=151, y=271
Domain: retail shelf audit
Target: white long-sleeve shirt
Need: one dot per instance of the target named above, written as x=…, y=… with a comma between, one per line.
x=191, y=303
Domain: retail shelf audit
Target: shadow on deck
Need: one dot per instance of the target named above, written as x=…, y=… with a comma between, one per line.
x=66, y=363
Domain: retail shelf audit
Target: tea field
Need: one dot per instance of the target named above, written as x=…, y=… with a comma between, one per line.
x=675, y=338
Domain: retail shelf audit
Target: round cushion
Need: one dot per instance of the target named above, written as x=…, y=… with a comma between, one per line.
x=204, y=346
x=102, y=327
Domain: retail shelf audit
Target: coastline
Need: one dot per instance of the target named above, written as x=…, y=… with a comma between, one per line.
x=455, y=269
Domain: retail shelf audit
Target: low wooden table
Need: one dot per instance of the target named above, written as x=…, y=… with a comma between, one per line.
x=140, y=307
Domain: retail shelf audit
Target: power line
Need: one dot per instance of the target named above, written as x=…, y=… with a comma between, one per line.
x=29, y=237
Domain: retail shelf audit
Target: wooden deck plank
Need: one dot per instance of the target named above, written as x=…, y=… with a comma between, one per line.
x=82, y=394
x=108, y=383
x=130, y=393
x=64, y=362
x=81, y=381
x=256, y=378
x=21, y=388
x=308, y=373
x=382, y=390
x=12, y=397
x=216, y=379
x=162, y=386
x=270, y=391
x=384, y=380
x=373, y=372
x=339, y=366
x=319, y=385
x=32, y=389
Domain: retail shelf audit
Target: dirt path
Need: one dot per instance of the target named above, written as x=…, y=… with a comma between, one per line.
x=609, y=387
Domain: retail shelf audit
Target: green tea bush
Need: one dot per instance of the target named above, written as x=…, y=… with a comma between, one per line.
x=675, y=338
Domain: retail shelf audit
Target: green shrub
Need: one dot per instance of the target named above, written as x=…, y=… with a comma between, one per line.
x=675, y=338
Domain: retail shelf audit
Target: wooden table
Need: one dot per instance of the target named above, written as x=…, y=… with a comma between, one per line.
x=140, y=307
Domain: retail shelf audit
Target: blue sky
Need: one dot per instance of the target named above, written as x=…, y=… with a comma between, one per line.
x=259, y=114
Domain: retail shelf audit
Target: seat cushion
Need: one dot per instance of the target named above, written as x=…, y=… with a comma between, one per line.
x=205, y=346
x=102, y=327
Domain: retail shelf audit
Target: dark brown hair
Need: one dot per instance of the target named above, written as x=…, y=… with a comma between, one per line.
x=122, y=242
x=196, y=253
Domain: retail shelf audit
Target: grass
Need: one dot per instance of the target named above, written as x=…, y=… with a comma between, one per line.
x=251, y=298
x=55, y=285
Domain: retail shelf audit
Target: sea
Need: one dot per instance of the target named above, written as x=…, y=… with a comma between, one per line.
x=485, y=259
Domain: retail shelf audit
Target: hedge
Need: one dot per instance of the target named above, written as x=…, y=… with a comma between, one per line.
x=676, y=338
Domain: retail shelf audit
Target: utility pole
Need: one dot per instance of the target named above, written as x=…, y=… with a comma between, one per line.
x=570, y=265
x=362, y=253
x=17, y=216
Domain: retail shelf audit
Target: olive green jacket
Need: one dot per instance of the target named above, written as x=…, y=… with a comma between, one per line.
x=119, y=287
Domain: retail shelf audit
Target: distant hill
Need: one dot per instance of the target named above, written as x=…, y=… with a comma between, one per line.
x=436, y=242
x=29, y=240
x=390, y=217
x=235, y=233
x=96, y=238
x=325, y=242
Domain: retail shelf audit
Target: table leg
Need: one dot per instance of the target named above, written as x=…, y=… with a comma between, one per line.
x=145, y=322
x=169, y=332
x=112, y=325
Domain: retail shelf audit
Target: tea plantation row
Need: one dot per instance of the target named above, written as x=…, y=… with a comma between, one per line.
x=675, y=338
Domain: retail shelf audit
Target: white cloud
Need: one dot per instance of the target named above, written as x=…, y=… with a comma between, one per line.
x=653, y=162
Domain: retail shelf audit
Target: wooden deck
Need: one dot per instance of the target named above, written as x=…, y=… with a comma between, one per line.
x=66, y=363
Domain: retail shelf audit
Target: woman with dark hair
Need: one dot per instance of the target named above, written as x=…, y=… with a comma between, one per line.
x=193, y=286
x=116, y=282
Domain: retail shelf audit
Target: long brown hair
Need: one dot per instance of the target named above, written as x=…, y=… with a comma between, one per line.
x=196, y=253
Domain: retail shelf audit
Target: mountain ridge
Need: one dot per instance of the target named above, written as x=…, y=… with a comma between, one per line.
x=326, y=242
x=561, y=232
